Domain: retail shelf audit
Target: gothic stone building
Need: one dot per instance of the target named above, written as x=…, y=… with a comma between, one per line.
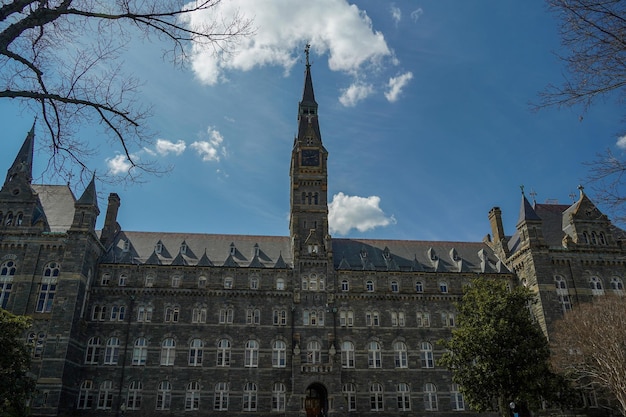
x=173, y=324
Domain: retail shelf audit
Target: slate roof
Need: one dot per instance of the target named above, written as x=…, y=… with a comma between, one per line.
x=58, y=205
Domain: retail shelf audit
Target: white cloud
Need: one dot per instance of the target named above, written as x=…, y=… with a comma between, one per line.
x=119, y=164
x=621, y=142
x=356, y=92
x=165, y=147
x=212, y=148
x=335, y=27
x=416, y=14
x=396, y=13
x=351, y=212
x=396, y=84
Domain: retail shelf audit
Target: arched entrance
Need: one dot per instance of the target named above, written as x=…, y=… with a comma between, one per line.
x=316, y=401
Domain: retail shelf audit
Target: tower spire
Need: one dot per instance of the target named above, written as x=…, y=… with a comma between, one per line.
x=23, y=164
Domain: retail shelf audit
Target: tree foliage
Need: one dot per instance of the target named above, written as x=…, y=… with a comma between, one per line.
x=15, y=384
x=589, y=347
x=497, y=354
x=62, y=59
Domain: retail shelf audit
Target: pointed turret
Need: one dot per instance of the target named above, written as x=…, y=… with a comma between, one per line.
x=585, y=224
x=529, y=224
x=23, y=165
x=308, y=126
x=86, y=208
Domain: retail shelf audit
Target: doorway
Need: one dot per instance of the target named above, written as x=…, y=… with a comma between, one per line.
x=316, y=401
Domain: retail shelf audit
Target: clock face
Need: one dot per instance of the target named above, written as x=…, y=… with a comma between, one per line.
x=310, y=157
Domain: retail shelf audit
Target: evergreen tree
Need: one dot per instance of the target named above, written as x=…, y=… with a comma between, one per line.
x=497, y=354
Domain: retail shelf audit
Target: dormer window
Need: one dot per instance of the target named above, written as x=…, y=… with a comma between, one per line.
x=233, y=249
x=257, y=250
x=126, y=246
x=183, y=248
x=159, y=247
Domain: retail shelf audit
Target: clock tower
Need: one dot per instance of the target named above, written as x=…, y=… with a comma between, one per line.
x=308, y=223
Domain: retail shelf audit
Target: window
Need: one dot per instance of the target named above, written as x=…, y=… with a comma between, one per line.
x=374, y=355
x=279, y=317
x=85, y=395
x=249, y=397
x=164, y=395
x=251, y=357
x=347, y=354
x=9, y=219
x=149, y=282
x=372, y=318
x=92, y=354
x=456, y=398
x=226, y=315
x=105, y=280
x=192, y=396
x=397, y=319
x=253, y=316
x=376, y=397
x=369, y=286
x=566, y=303
x=346, y=318
x=395, y=287
x=168, y=352
x=198, y=315
x=419, y=287
x=430, y=397
x=133, y=401
x=37, y=343
x=195, y=352
x=202, y=282
x=280, y=284
x=559, y=283
x=443, y=287
x=447, y=319
x=112, y=351
x=158, y=248
x=349, y=391
x=279, y=354
x=105, y=395
x=223, y=353
x=123, y=280
x=171, y=314
x=7, y=271
x=345, y=286
x=220, y=400
x=176, y=280
x=426, y=355
x=400, y=355
x=228, y=283
x=313, y=317
x=314, y=352
x=99, y=313
x=278, y=397
x=602, y=238
x=118, y=313
x=423, y=319
x=617, y=285
x=594, y=238
x=596, y=286
x=144, y=314
x=254, y=283
x=19, y=219
x=48, y=288
x=140, y=351
x=404, y=397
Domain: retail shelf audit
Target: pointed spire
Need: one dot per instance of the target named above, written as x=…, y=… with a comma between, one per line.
x=23, y=164
x=307, y=108
x=89, y=197
x=308, y=96
x=527, y=212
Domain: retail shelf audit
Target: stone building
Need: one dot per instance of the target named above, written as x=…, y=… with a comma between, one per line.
x=172, y=324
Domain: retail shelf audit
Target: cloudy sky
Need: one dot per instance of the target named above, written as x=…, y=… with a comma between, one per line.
x=424, y=108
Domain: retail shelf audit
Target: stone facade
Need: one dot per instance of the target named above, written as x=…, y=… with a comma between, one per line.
x=149, y=323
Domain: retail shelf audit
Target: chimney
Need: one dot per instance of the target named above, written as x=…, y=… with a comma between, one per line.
x=111, y=227
x=495, y=219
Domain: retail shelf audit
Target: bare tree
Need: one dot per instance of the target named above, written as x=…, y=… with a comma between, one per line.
x=589, y=347
x=61, y=58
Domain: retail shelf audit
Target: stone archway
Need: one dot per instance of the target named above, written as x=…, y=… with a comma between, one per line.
x=316, y=400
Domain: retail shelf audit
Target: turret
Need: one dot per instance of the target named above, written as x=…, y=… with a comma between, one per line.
x=86, y=209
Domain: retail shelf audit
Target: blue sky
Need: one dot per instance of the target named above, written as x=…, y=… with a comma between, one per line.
x=424, y=108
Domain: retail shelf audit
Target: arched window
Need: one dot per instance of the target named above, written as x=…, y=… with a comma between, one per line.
x=423, y=319
x=19, y=219
x=251, y=358
x=369, y=286
x=92, y=353
x=8, y=221
x=347, y=354
x=168, y=352
x=223, y=353
x=617, y=285
x=220, y=400
x=562, y=293
x=585, y=238
x=419, y=287
x=105, y=395
x=254, y=283
x=376, y=397
x=372, y=318
x=426, y=355
x=400, y=355
x=140, y=351
x=48, y=287
x=395, y=287
x=134, y=395
x=443, y=287
x=346, y=318
x=198, y=315
x=374, y=358
x=149, y=282
x=226, y=315
x=447, y=319
x=456, y=398
x=85, y=395
x=279, y=354
x=105, y=279
x=202, y=282
x=279, y=317
x=594, y=238
x=164, y=395
x=314, y=352
x=280, y=284
x=278, y=397
x=430, y=397
x=253, y=316
x=602, y=238
x=596, y=286
x=249, y=397
x=112, y=351
x=228, y=283
x=7, y=271
x=123, y=280
x=345, y=286
x=404, y=397
x=192, y=396
x=349, y=391
x=195, y=352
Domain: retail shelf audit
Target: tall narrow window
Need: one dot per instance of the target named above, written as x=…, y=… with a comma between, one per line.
x=347, y=354
x=423, y=319
x=48, y=287
x=314, y=352
x=596, y=286
x=192, y=396
x=223, y=353
x=253, y=316
x=226, y=315
x=430, y=397
x=140, y=351
x=133, y=401
x=404, y=397
x=198, y=315
x=278, y=397
x=220, y=400
x=456, y=398
x=105, y=395
x=85, y=395
x=279, y=354
x=112, y=351
x=376, y=397
x=374, y=359
x=249, y=397
x=251, y=358
x=92, y=354
x=7, y=271
x=400, y=355
x=195, y=352
x=426, y=355
x=349, y=391
x=144, y=314
x=168, y=352
x=279, y=317
x=419, y=287
x=345, y=286
x=123, y=280
x=171, y=314
x=164, y=395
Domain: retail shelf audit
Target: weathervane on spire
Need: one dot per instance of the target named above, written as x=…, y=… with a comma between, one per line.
x=307, y=49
